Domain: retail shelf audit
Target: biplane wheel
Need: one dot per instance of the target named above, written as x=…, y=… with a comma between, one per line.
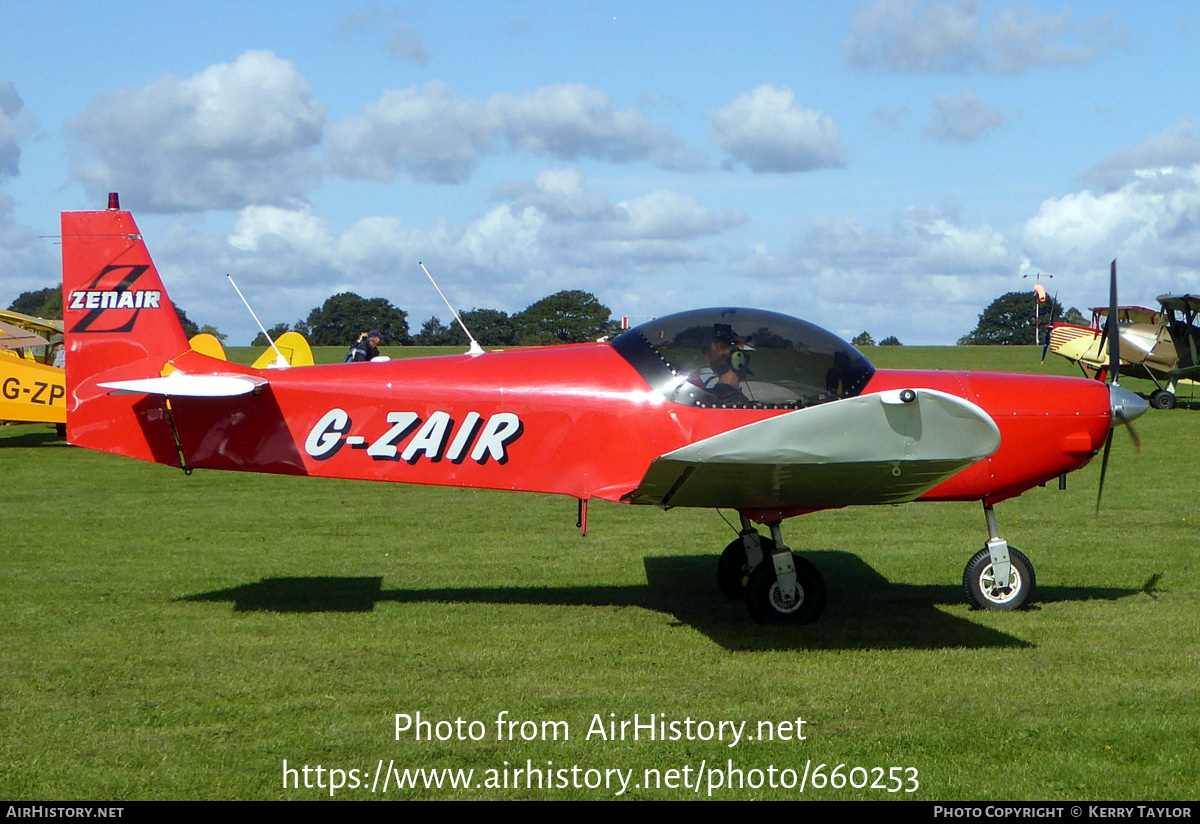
x=981, y=586
x=732, y=573
x=763, y=597
x=1162, y=399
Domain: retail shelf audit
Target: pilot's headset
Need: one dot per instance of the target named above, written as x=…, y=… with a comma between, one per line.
x=740, y=359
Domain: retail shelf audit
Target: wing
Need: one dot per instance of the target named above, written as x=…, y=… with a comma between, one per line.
x=14, y=337
x=888, y=447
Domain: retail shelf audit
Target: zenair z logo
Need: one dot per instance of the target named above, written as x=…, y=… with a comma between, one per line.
x=436, y=438
x=117, y=298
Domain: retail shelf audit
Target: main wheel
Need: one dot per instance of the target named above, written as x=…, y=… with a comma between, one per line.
x=985, y=592
x=765, y=600
x=732, y=569
x=1162, y=399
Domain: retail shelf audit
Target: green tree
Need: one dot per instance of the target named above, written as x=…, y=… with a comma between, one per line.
x=891, y=340
x=41, y=303
x=433, y=333
x=341, y=318
x=209, y=329
x=275, y=332
x=491, y=327
x=570, y=316
x=1009, y=320
x=863, y=339
x=189, y=327
x=1073, y=316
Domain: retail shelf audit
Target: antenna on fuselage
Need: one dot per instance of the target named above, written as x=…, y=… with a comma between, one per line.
x=475, y=348
x=280, y=361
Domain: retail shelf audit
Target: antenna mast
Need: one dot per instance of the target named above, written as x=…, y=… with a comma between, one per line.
x=280, y=361
x=475, y=348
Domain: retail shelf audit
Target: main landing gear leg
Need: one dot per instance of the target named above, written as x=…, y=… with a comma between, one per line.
x=782, y=588
x=998, y=577
x=739, y=559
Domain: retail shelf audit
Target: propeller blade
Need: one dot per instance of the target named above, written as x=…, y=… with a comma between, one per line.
x=1103, y=470
x=1101, y=372
x=1114, y=337
x=1126, y=406
x=1137, y=440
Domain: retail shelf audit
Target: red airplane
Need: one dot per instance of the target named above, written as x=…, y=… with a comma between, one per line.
x=736, y=408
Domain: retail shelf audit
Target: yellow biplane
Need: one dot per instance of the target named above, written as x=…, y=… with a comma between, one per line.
x=32, y=388
x=1150, y=342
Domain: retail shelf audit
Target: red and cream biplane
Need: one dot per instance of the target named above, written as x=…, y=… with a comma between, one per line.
x=735, y=408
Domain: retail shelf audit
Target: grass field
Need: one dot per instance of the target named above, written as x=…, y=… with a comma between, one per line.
x=173, y=637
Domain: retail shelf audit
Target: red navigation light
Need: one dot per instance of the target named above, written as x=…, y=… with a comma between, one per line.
x=114, y=201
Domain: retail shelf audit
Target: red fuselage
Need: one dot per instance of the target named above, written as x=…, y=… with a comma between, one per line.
x=574, y=420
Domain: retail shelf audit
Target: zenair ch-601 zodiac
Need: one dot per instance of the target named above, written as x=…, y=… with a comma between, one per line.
x=736, y=408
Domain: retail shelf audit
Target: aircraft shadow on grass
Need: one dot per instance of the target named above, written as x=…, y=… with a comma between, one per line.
x=865, y=610
x=27, y=440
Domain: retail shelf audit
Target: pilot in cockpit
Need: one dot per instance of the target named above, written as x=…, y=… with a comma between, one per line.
x=726, y=355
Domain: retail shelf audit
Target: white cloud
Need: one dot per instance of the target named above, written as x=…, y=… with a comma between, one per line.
x=561, y=194
x=923, y=276
x=232, y=135
x=548, y=234
x=670, y=216
x=404, y=44
x=961, y=119
x=428, y=132
x=890, y=115
x=951, y=37
x=572, y=120
x=1154, y=218
x=1146, y=214
x=260, y=227
x=902, y=36
x=15, y=125
x=435, y=136
x=1178, y=146
x=767, y=131
x=27, y=261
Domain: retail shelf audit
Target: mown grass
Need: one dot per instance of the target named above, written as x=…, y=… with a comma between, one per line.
x=177, y=637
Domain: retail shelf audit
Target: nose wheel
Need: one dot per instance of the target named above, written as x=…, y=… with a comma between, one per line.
x=998, y=577
x=987, y=590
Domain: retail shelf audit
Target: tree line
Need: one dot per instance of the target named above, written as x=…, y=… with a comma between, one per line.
x=569, y=316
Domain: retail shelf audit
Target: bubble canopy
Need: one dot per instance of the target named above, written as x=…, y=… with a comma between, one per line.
x=743, y=359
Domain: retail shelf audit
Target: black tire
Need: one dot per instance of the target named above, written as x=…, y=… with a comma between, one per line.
x=980, y=587
x=763, y=596
x=1162, y=399
x=732, y=571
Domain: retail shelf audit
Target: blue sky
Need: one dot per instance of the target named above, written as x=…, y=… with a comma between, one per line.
x=888, y=166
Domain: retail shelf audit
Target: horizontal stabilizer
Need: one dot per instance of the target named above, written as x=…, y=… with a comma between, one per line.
x=888, y=447
x=182, y=385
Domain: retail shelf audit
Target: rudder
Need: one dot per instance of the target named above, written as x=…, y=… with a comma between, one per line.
x=119, y=324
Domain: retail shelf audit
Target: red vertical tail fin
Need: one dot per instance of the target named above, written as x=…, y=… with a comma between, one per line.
x=118, y=324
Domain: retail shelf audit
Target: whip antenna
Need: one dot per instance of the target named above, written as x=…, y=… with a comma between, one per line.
x=475, y=348
x=280, y=361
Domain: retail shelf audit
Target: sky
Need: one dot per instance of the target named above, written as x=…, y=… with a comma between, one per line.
x=889, y=166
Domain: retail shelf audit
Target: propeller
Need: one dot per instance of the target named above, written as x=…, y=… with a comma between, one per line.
x=1126, y=406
